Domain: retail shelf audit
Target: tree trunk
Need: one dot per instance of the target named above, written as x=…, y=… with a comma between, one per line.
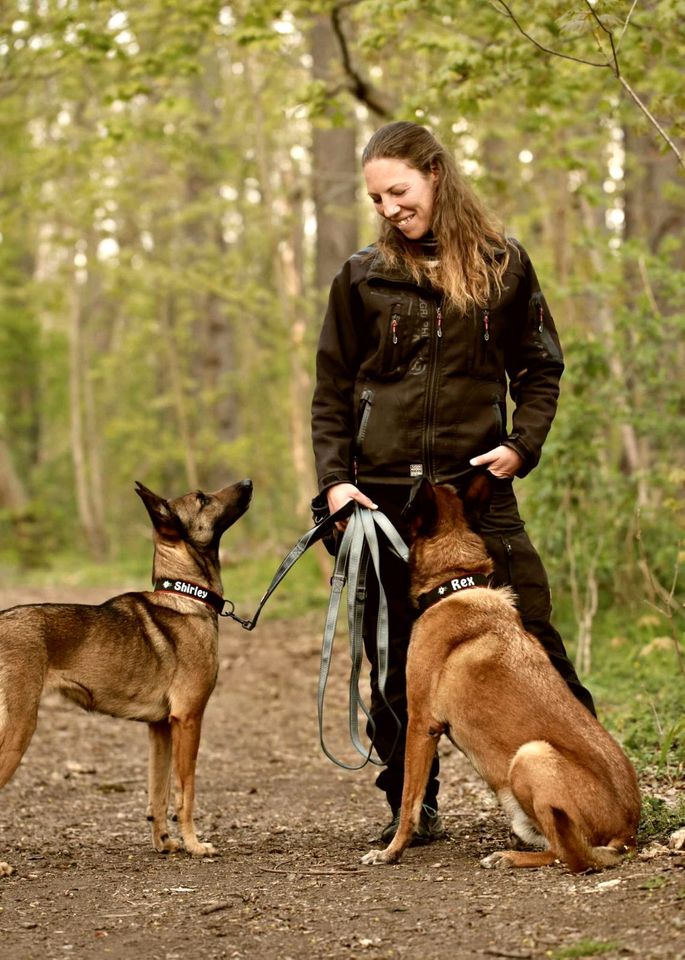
x=335, y=172
x=93, y=530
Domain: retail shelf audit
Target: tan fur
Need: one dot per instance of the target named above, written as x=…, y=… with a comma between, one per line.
x=474, y=671
x=148, y=656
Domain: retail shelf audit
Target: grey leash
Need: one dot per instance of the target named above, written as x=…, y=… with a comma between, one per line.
x=358, y=546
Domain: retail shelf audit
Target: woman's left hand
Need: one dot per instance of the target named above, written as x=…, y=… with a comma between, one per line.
x=502, y=462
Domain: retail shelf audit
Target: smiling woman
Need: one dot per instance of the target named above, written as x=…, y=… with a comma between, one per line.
x=402, y=195
x=424, y=331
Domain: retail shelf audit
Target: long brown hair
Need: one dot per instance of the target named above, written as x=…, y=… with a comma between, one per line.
x=467, y=235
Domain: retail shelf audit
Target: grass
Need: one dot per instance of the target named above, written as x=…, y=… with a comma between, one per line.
x=584, y=948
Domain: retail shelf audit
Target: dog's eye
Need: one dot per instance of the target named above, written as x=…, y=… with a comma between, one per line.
x=202, y=498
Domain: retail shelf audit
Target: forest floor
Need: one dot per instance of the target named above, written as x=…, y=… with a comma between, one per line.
x=290, y=828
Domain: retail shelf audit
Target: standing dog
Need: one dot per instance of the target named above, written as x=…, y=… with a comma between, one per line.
x=143, y=656
x=475, y=674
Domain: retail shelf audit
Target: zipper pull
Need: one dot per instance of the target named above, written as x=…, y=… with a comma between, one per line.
x=486, y=325
x=439, y=319
x=393, y=327
x=541, y=318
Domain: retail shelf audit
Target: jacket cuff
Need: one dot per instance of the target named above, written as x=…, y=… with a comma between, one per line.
x=529, y=460
x=331, y=479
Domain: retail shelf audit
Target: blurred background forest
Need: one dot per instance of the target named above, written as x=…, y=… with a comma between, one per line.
x=179, y=182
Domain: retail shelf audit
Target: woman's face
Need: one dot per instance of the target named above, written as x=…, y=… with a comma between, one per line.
x=402, y=195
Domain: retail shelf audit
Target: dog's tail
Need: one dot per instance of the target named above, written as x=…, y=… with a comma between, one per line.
x=574, y=849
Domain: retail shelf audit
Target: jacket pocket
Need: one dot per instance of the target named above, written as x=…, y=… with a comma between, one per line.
x=400, y=338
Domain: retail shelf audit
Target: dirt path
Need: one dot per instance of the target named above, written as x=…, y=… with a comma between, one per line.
x=290, y=828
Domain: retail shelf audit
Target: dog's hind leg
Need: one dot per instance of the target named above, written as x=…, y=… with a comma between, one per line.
x=159, y=780
x=185, y=735
x=542, y=786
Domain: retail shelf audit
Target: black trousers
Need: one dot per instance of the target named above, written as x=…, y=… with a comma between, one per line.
x=516, y=563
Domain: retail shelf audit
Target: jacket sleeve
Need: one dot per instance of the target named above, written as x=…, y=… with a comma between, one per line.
x=534, y=366
x=337, y=363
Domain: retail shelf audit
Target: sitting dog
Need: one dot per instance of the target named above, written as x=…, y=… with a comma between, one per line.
x=474, y=673
x=143, y=656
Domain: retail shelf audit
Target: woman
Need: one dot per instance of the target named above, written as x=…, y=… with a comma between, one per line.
x=423, y=332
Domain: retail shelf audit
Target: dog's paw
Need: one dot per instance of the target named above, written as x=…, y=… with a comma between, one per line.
x=198, y=849
x=6, y=869
x=497, y=861
x=165, y=844
x=376, y=857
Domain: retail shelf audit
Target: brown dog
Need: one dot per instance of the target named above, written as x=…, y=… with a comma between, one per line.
x=143, y=656
x=476, y=675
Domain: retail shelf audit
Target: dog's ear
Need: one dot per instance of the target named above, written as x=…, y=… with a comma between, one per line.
x=164, y=520
x=479, y=489
x=421, y=510
x=476, y=496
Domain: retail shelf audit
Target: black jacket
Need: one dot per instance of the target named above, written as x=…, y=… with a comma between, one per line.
x=405, y=388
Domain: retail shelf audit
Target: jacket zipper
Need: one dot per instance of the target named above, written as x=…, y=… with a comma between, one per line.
x=431, y=396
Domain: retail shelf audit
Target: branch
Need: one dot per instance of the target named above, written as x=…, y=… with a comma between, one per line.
x=652, y=119
x=611, y=64
x=625, y=25
x=541, y=46
x=363, y=91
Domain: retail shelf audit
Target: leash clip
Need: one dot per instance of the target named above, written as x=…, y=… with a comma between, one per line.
x=245, y=624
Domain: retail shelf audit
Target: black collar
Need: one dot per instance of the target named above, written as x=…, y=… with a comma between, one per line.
x=450, y=587
x=191, y=590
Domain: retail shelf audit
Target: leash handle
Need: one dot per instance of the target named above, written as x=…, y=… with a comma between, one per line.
x=317, y=532
x=358, y=545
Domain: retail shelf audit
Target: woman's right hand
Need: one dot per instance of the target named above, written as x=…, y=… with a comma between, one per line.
x=340, y=494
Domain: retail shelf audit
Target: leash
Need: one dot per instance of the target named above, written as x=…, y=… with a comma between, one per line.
x=359, y=544
x=317, y=532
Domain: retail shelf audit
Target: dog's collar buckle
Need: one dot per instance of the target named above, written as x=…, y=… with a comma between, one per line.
x=193, y=591
x=448, y=589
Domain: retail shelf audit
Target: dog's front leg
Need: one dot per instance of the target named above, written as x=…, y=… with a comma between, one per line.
x=159, y=778
x=185, y=735
x=419, y=752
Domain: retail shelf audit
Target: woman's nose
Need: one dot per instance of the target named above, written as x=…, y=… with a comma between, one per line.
x=391, y=208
